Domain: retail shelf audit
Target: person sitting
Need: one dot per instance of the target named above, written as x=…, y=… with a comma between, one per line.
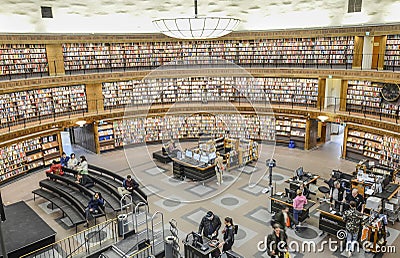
x=64, y=160
x=83, y=166
x=55, y=168
x=128, y=185
x=94, y=207
x=171, y=146
x=84, y=180
x=72, y=162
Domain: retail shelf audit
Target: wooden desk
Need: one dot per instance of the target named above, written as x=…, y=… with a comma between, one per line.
x=194, y=172
x=278, y=201
x=389, y=192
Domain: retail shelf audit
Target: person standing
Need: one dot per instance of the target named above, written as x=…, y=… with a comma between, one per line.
x=94, y=207
x=128, y=185
x=357, y=198
x=229, y=235
x=64, y=160
x=277, y=242
x=298, y=206
x=284, y=218
x=304, y=190
x=219, y=168
x=337, y=192
x=210, y=225
x=353, y=219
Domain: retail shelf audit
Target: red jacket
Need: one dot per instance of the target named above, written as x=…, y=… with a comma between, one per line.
x=56, y=169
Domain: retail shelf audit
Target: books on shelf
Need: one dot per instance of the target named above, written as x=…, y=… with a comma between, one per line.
x=32, y=104
x=106, y=136
x=296, y=51
x=26, y=155
x=296, y=91
x=382, y=149
x=22, y=59
x=365, y=97
x=392, y=53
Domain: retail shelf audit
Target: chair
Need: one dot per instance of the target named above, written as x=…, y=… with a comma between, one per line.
x=325, y=190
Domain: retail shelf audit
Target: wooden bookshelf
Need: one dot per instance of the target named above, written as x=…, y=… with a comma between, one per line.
x=29, y=105
x=392, y=54
x=332, y=51
x=290, y=91
x=22, y=59
x=370, y=144
x=26, y=155
x=106, y=136
x=365, y=96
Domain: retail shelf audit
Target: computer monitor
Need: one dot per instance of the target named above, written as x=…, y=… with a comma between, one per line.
x=204, y=158
x=197, y=239
x=212, y=155
x=290, y=193
x=189, y=153
x=196, y=156
x=386, y=181
x=299, y=172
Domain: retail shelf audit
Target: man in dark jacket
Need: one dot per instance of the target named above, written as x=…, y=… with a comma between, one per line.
x=210, y=225
x=128, y=185
x=277, y=242
x=284, y=218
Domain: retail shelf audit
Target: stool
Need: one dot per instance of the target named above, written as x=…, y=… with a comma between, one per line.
x=325, y=190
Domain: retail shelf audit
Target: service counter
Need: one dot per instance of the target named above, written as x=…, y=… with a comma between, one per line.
x=186, y=168
x=277, y=201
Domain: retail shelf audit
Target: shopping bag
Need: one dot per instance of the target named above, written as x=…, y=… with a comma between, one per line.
x=287, y=255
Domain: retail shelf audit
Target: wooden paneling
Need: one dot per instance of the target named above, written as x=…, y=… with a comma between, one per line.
x=382, y=50
x=343, y=95
x=55, y=59
x=358, y=52
x=94, y=97
x=321, y=92
x=375, y=52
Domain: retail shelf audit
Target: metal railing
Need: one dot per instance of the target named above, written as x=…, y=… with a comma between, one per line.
x=80, y=244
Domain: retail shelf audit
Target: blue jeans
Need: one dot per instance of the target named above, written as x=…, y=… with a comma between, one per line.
x=296, y=214
x=351, y=241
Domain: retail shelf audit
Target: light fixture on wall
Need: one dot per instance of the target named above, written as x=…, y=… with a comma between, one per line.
x=323, y=118
x=81, y=123
x=196, y=27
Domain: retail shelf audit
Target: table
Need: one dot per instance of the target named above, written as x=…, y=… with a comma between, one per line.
x=278, y=200
x=194, y=171
x=191, y=251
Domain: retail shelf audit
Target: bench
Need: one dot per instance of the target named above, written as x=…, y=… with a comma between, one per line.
x=140, y=195
x=78, y=199
x=72, y=213
x=164, y=158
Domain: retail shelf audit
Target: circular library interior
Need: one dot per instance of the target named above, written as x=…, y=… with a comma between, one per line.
x=199, y=129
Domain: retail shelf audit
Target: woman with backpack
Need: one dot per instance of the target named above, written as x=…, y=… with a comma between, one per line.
x=229, y=235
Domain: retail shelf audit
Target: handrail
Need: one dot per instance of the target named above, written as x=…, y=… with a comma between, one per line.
x=108, y=222
x=141, y=251
x=87, y=239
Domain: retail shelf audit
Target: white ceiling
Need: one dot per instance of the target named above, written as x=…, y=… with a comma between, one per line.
x=122, y=16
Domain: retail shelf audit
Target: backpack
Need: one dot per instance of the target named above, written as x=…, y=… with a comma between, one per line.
x=235, y=229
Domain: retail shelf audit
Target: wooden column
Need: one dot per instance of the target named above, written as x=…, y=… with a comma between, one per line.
x=358, y=52
x=55, y=59
x=346, y=131
x=311, y=134
x=382, y=51
x=96, y=136
x=94, y=96
x=343, y=95
x=60, y=147
x=321, y=93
